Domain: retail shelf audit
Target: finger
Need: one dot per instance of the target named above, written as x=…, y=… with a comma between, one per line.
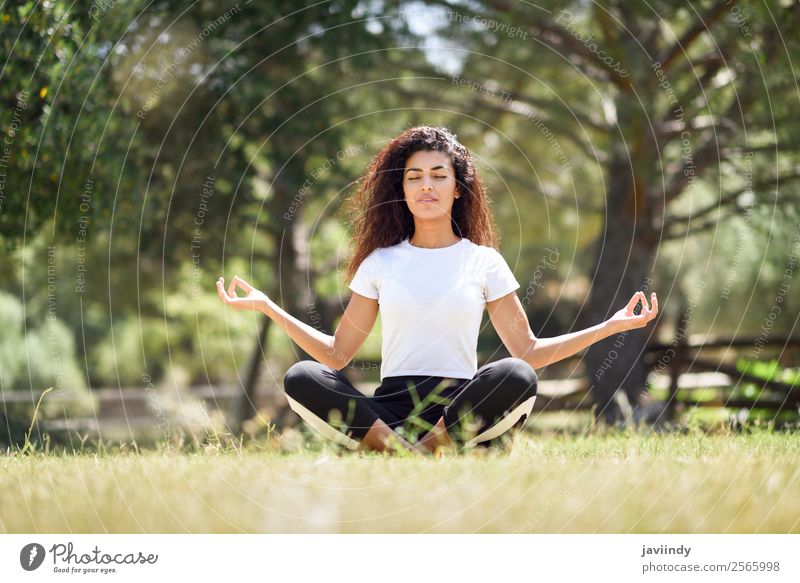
x=643, y=299
x=221, y=290
x=243, y=284
x=631, y=307
x=232, y=288
x=654, y=302
x=650, y=313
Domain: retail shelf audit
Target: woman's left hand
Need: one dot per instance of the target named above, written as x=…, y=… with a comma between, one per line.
x=625, y=319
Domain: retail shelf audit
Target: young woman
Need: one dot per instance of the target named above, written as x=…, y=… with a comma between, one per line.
x=426, y=258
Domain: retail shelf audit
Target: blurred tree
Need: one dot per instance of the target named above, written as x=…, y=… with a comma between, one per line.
x=254, y=125
x=662, y=98
x=169, y=137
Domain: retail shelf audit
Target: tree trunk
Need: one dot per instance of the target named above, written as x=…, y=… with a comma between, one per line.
x=623, y=260
x=295, y=281
x=245, y=407
x=293, y=289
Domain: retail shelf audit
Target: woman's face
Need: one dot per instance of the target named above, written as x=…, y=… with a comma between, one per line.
x=429, y=185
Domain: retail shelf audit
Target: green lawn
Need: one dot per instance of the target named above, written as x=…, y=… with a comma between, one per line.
x=613, y=483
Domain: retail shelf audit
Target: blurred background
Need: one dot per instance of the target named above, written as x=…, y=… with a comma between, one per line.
x=150, y=147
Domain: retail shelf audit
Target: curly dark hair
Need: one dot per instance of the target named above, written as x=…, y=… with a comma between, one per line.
x=379, y=213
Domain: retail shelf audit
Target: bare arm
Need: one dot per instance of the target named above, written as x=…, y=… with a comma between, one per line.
x=335, y=351
x=512, y=326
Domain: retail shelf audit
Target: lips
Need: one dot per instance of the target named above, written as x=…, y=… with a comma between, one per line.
x=426, y=200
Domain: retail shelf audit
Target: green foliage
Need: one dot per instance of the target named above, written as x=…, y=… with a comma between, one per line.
x=35, y=358
x=769, y=371
x=135, y=102
x=11, y=349
x=193, y=333
x=121, y=356
x=56, y=105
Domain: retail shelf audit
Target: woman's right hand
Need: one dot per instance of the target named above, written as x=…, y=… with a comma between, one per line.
x=254, y=300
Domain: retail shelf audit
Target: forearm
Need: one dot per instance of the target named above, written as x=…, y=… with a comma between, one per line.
x=544, y=351
x=318, y=345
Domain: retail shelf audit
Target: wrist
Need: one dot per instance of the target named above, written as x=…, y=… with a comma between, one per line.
x=267, y=307
x=611, y=327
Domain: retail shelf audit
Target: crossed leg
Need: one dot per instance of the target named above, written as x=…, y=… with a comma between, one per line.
x=329, y=403
x=500, y=395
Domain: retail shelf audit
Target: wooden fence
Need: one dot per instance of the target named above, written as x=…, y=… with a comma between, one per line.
x=680, y=369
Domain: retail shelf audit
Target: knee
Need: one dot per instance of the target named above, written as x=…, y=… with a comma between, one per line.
x=520, y=375
x=301, y=377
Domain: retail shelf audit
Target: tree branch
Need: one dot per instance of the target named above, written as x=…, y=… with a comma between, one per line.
x=551, y=191
x=695, y=229
x=730, y=198
x=773, y=147
x=504, y=107
x=553, y=35
x=682, y=45
x=740, y=104
x=710, y=64
x=552, y=105
x=693, y=167
x=516, y=95
x=555, y=126
x=606, y=26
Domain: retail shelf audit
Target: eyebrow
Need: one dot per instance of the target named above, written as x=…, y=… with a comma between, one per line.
x=440, y=167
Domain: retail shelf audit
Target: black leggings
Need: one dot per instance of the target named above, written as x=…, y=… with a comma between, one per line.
x=500, y=395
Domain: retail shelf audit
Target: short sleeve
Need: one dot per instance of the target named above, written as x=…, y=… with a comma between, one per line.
x=500, y=280
x=364, y=281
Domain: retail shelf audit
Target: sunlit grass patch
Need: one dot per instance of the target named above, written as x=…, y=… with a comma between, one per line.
x=617, y=482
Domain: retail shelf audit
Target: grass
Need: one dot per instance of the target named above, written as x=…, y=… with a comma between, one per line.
x=548, y=482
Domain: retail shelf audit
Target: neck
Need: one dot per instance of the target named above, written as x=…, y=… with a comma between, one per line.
x=433, y=236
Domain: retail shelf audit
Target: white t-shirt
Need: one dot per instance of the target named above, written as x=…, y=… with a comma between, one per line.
x=431, y=302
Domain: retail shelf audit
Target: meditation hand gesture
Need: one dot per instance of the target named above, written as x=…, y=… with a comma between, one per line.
x=254, y=300
x=625, y=319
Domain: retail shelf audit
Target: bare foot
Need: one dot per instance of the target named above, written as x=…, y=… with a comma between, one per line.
x=436, y=439
x=381, y=437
